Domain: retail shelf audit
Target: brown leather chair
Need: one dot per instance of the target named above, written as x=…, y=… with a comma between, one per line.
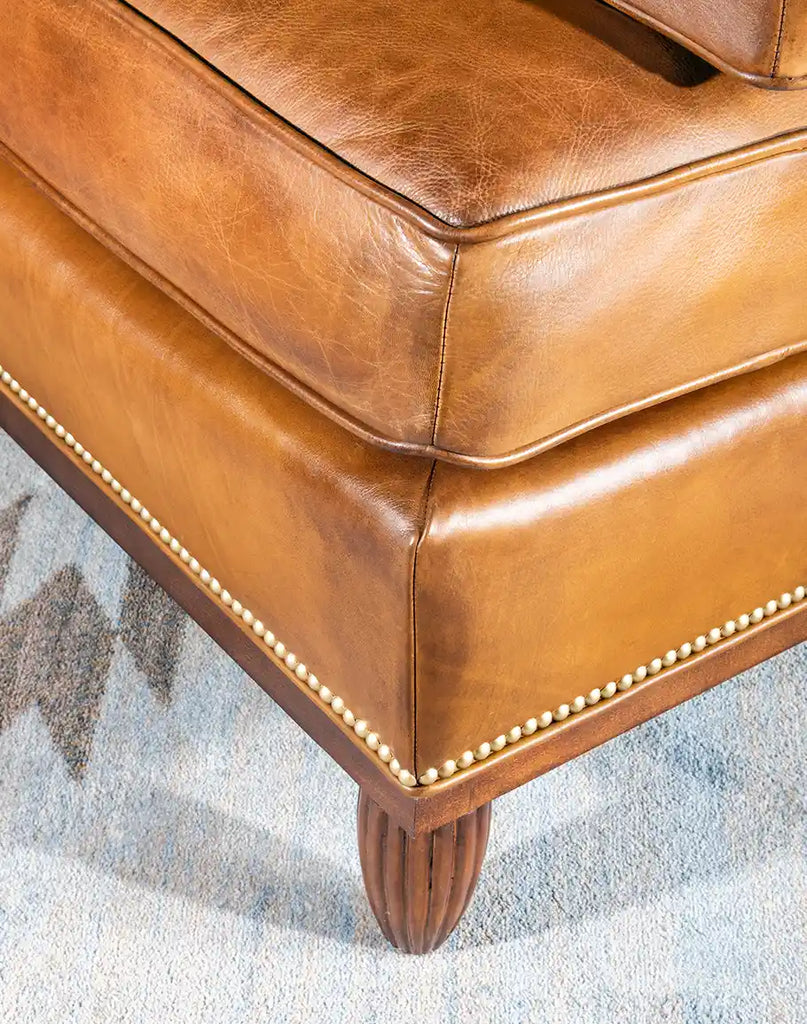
x=445, y=359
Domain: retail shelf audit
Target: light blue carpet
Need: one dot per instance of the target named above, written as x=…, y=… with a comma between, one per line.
x=174, y=850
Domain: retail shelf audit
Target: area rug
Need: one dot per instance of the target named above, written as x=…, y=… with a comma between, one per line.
x=174, y=850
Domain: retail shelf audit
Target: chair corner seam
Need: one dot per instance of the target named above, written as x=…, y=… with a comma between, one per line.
x=422, y=531
x=444, y=341
x=777, y=56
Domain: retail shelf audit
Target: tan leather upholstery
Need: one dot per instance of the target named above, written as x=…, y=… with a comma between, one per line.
x=302, y=522
x=528, y=585
x=765, y=41
x=539, y=582
x=470, y=230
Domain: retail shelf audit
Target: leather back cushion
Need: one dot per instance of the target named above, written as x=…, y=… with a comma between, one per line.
x=765, y=41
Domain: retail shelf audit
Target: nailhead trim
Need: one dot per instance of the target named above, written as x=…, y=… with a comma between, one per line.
x=362, y=728
x=580, y=703
x=274, y=646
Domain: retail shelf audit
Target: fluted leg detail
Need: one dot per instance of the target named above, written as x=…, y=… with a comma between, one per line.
x=419, y=887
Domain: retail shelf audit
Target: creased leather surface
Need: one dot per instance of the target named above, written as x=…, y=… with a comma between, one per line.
x=763, y=40
x=476, y=108
x=322, y=230
x=193, y=179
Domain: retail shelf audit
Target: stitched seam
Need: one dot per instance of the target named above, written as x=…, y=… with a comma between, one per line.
x=443, y=342
x=778, y=55
x=424, y=523
x=426, y=509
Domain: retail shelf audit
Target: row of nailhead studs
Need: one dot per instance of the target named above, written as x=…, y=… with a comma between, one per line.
x=277, y=647
x=337, y=705
x=728, y=629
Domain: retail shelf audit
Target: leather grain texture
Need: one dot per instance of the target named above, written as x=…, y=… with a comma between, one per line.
x=764, y=41
x=470, y=231
x=444, y=606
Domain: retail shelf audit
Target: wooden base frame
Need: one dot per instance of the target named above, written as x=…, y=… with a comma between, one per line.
x=419, y=822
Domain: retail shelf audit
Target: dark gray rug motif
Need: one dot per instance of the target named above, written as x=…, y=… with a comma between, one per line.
x=152, y=626
x=57, y=647
x=9, y=526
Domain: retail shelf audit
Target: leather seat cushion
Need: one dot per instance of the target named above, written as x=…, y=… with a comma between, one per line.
x=469, y=230
x=446, y=607
x=765, y=41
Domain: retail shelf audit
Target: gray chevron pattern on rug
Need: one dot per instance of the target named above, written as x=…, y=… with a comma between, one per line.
x=173, y=849
x=57, y=645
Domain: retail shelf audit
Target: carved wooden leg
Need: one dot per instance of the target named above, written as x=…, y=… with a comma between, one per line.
x=419, y=887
